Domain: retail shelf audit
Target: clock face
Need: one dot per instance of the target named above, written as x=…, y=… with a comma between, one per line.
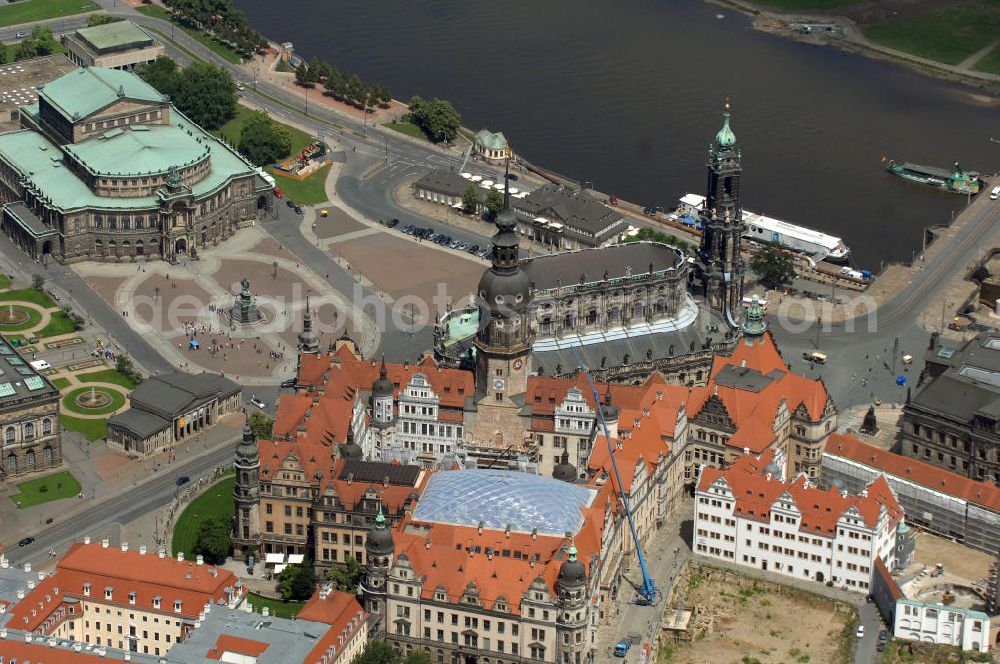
x=498, y=384
x=518, y=363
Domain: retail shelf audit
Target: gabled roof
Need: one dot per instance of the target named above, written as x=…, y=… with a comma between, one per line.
x=85, y=91
x=912, y=470
x=755, y=491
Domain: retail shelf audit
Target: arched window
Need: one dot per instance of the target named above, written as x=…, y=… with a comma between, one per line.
x=11, y=463
x=30, y=458
x=29, y=430
x=9, y=434
x=46, y=426
x=47, y=454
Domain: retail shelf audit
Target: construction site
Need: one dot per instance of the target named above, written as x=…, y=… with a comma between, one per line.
x=717, y=615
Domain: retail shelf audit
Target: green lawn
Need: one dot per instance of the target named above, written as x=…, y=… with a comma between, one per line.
x=90, y=429
x=28, y=295
x=27, y=11
x=107, y=376
x=232, y=129
x=46, y=489
x=797, y=5
x=946, y=35
x=69, y=401
x=284, y=66
x=224, y=51
x=216, y=501
x=990, y=62
x=4, y=281
x=61, y=383
x=275, y=607
x=59, y=324
x=34, y=318
x=11, y=49
x=310, y=191
x=407, y=128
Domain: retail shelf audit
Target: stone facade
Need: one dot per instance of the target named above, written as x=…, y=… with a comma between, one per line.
x=30, y=432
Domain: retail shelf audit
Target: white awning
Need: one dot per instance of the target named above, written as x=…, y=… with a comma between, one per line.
x=274, y=558
x=487, y=183
x=476, y=178
x=278, y=568
x=459, y=205
x=466, y=175
x=295, y=558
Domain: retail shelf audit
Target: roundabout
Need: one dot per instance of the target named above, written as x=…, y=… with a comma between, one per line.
x=94, y=400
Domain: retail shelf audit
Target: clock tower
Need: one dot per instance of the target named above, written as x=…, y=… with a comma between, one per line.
x=503, y=342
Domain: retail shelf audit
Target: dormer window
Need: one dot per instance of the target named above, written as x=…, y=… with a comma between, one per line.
x=156, y=601
x=86, y=590
x=131, y=597
x=107, y=592
x=177, y=606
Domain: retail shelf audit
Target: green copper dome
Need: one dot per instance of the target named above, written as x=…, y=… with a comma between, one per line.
x=753, y=323
x=725, y=138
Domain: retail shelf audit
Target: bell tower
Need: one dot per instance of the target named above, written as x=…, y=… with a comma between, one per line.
x=720, y=266
x=503, y=342
x=379, y=550
x=246, y=495
x=383, y=425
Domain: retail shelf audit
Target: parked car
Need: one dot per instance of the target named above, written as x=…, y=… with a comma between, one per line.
x=621, y=648
x=881, y=646
x=182, y=480
x=287, y=383
x=473, y=249
x=290, y=203
x=462, y=246
x=482, y=253
x=257, y=402
x=393, y=223
x=454, y=244
x=239, y=86
x=860, y=633
x=277, y=193
x=883, y=635
x=298, y=210
x=21, y=35
x=26, y=541
x=512, y=176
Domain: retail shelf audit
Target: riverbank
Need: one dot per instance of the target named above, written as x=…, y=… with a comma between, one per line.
x=845, y=27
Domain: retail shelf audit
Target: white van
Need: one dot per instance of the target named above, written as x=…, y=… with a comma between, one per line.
x=40, y=365
x=995, y=193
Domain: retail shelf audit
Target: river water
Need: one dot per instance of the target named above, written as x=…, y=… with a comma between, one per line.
x=627, y=94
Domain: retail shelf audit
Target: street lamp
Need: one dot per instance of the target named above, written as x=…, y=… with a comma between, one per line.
x=274, y=266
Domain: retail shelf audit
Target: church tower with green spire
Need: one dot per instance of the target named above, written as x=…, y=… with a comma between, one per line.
x=720, y=266
x=754, y=324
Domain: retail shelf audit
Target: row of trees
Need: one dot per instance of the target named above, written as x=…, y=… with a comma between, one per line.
x=203, y=92
x=341, y=85
x=222, y=20
x=437, y=118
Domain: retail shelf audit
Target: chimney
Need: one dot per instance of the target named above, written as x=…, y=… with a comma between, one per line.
x=506, y=532
x=142, y=549
x=86, y=539
x=481, y=526
x=27, y=568
x=105, y=542
x=162, y=553
x=427, y=543
x=385, y=481
x=200, y=559
x=534, y=533
x=180, y=556
x=124, y=547
x=350, y=479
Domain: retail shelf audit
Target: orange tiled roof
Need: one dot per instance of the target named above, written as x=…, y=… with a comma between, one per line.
x=918, y=472
x=147, y=575
x=342, y=612
x=755, y=493
x=226, y=643
x=39, y=651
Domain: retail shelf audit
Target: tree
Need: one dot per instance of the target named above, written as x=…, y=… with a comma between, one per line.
x=297, y=582
x=206, y=94
x=40, y=42
x=376, y=652
x=213, y=540
x=345, y=576
x=123, y=363
x=161, y=73
x=261, y=425
x=772, y=265
x=101, y=19
x=264, y=141
x=384, y=95
x=37, y=281
x=653, y=235
x=470, y=199
x=494, y=202
x=335, y=83
x=417, y=657
x=302, y=74
x=437, y=117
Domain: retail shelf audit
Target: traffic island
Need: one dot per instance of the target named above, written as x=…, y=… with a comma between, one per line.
x=46, y=489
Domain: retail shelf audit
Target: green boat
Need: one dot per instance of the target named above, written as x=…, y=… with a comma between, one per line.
x=956, y=181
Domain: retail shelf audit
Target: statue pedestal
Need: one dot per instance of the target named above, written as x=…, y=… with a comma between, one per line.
x=245, y=310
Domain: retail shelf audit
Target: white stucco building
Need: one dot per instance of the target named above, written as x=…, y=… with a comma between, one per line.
x=748, y=515
x=934, y=623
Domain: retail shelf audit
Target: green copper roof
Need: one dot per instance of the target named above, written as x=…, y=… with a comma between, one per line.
x=753, y=323
x=141, y=149
x=462, y=326
x=120, y=34
x=44, y=164
x=725, y=138
x=85, y=91
x=492, y=141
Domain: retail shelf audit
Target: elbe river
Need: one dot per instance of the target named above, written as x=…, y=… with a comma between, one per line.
x=628, y=93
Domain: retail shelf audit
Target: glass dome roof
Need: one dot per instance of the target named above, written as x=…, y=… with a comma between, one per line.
x=497, y=498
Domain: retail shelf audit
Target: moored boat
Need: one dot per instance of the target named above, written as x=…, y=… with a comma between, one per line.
x=956, y=181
